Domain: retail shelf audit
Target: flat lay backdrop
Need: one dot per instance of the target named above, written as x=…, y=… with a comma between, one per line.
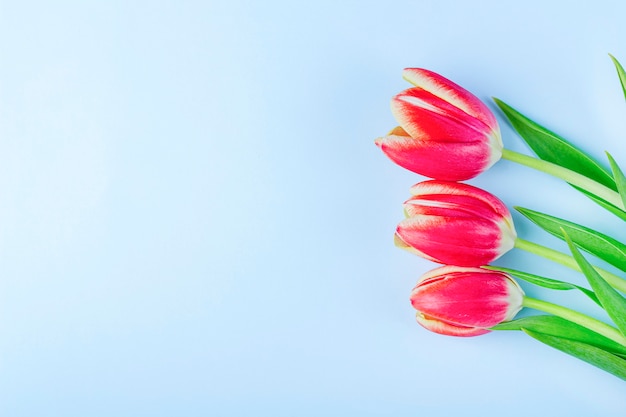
x=194, y=219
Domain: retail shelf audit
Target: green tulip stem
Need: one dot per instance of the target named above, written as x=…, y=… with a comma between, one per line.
x=570, y=176
x=615, y=281
x=590, y=323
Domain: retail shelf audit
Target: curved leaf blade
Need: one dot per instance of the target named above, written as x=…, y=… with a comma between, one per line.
x=593, y=355
x=620, y=73
x=620, y=179
x=602, y=246
x=551, y=147
x=604, y=204
x=612, y=302
x=545, y=282
x=560, y=327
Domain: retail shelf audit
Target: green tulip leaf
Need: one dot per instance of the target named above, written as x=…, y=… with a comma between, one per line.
x=596, y=243
x=550, y=283
x=621, y=73
x=560, y=327
x=593, y=355
x=605, y=204
x=613, y=302
x=553, y=148
x=620, y=179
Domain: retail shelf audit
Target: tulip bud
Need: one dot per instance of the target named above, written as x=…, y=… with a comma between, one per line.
x=456, y=224
x=457, y=301
x=445, y=131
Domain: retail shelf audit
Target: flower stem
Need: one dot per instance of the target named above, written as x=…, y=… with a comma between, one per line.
x=590, y=323
x=568, y=175
x=615, y=281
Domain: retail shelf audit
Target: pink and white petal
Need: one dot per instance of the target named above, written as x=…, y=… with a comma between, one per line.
x=421, y=114
x=477, y=200
x=444, y=271
x=449, y=205
x=446, y=161
x=397, y=240
x=451, y=92
x=439, y=240
x=516, y=299
x=468, y=299
x=508, y=235
x=440, y=327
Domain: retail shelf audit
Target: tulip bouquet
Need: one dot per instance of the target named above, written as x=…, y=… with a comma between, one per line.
x=448, y=135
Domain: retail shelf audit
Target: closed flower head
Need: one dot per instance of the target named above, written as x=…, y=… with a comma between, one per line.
x=458, y=301
x=445, y=132
x=456, y=224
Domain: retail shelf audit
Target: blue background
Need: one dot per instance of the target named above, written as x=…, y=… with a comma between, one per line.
x=194, y=220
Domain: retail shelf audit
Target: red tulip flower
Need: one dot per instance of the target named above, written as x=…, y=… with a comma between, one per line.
x=455, y=224
x=445, y=131
x=457, y=301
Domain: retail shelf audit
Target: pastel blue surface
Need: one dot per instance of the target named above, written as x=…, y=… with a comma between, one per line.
x=195, y=220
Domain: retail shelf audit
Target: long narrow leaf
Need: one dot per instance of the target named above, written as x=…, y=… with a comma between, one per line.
x=604, y=247
x=545, y=282
x=560, y=327
x=604, y=204
x=620, y=179
x=621, y=73
x=590, y=354
x=551, y=147
x=612, y=301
